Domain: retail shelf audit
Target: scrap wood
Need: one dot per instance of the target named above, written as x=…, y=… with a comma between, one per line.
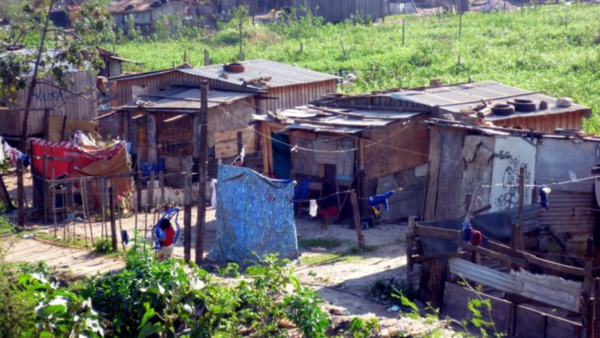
x=564, y=247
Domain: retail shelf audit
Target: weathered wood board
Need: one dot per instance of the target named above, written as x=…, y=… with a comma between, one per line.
x=226, y=142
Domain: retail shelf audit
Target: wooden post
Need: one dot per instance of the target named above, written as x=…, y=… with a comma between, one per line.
x=85, y=214
x=20, y=194
x=113, y=224
x=138, y=187
x=135, y=209
x=589, y=263
x=460, y=25
x=409, y=247
x=521, y=204
x=161, y=183
x=102, y=194
x=45, y=189
x=84, y=196
x=150, y=190
x=403, y=30
x=206, y=58
x=187, y=209
x=120, y=220
x=597, y=304
x=202, y=173
x=47, y=124
x=359, y=235
x=52, y=185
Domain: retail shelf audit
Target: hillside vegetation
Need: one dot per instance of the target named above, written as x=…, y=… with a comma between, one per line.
x=554, y=49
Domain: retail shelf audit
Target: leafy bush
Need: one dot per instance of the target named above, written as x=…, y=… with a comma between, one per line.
x=102, y=245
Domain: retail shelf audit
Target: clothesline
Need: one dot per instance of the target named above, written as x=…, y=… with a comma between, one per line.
x=541, y=185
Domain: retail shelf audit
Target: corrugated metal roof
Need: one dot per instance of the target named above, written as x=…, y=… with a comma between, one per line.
x=184, y=98
x=335, y=120
x=280, y=74
x=457, y=97
x=139, y=6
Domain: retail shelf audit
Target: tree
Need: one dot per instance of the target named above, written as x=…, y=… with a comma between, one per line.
x=50, y=53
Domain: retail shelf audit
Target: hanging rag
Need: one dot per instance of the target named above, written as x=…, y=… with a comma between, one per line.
x=468, y=231
x=544, y=192
x=313, y=208
x=124, y=237
x=379, y=203
x=213, y=197
x=301, y=191
x=476, y=238
x=1, y=150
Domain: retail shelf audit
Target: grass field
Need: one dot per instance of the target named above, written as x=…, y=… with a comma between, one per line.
x=554, y=49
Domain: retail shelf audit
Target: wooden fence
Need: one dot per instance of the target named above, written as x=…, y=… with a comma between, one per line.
x=532, y=289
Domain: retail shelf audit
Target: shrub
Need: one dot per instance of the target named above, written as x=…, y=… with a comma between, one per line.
x=102, y=245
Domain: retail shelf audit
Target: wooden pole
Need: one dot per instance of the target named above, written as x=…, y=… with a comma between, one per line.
x=52, y=183
x=206, y=58
x=47, y=124
x=85, y=214
x=150, y=190
x=103, y=198
x=20, y=194
x=359, y=235
x=45, y=189
x=403, y=30
x=120, y=220
x=460, y=25
x=161, y=183
x=63, y=128
x=202, y=173
x=86, y=203
x=187, y=209
x=113, y=224
x=521, y=206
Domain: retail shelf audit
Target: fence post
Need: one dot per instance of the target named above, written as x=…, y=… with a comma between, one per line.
x=202, y=173
x=45, y=190
x=113, y=224
x=150, y=191
x=357, y=225
x=86, y=202
x=20, y=193
x=403, y=30
x=187, y=209
x=85, y=214
x=52, y=185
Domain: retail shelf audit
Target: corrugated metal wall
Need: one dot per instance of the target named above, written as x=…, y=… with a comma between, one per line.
x=340, y=10
x=73, y=106
x=546, y=123
x=297, y=95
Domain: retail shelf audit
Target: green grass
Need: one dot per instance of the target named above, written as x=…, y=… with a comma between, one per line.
x=326, y=243
x=353, y=255
x=71, y=241
x=554, y=49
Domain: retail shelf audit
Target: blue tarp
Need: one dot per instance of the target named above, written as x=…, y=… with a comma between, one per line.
x=254, y=214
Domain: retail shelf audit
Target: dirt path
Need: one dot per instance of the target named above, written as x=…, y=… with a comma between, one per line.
x=78, y=262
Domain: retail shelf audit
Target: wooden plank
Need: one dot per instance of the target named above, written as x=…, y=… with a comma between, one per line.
x=492, y=254
x=395, y=148
x=456, y=300
x=529, y=323
x=433, y=172
x=55, y=127
x=305, y=134
x=226, y=142
x=421, y=230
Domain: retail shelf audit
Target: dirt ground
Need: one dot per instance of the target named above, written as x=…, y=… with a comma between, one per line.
x=340, y=274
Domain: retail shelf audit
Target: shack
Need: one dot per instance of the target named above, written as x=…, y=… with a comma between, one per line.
x=369, y=143
x=77, y=103
x=462, y=102
x=152, y=110
x=113, y=63
x=469, y=162
x=145, y=13
x=339, y=10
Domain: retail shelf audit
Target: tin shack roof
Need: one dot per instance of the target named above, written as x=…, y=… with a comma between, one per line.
x=137, y=6
x=183, y=99
x=321, y=119
x=454, y=98
x=257, y=74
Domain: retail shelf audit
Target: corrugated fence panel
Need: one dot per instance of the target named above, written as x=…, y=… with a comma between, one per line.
x=571, y=216
x=565, y=294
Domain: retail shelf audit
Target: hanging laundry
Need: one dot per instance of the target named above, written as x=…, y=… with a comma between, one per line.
x=213, y=197
x=468, y=231
x=313, y=208
x=14, y=155
x=544, y=192
x=379, y=203
x=1, y=150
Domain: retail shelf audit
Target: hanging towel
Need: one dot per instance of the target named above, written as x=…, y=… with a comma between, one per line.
x=544, y=192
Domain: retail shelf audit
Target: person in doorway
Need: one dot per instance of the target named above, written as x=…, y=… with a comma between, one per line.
x=167, y=240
